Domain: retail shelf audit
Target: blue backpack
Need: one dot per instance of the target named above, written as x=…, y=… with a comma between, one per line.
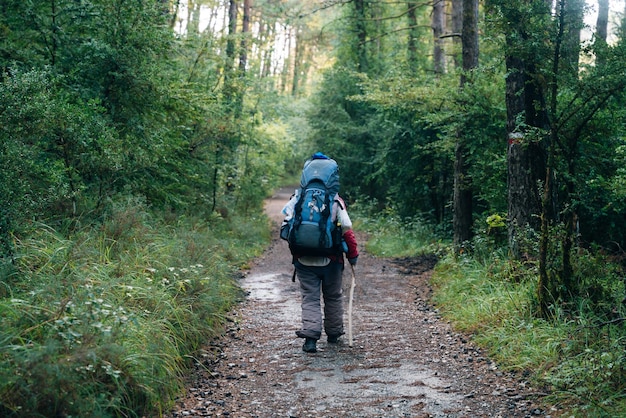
x=311, y=231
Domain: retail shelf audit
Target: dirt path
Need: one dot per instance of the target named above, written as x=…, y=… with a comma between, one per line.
x=405, y=361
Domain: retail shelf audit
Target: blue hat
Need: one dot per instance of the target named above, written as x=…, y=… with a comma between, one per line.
x=319, y=156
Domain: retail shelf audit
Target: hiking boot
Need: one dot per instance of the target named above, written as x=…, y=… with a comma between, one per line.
x=333, y=339
x=309, y=345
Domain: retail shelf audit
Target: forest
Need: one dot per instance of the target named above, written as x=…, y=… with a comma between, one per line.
x=138, y=140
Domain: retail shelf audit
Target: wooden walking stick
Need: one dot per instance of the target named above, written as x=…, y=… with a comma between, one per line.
x=350, y=307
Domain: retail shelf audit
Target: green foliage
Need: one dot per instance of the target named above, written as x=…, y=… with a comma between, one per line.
x=78, y=330
x=349, y=131
x=578, y=353
x=390, y=236
x=406, y=128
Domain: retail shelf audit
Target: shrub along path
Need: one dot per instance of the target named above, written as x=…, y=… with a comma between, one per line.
x=405, y=360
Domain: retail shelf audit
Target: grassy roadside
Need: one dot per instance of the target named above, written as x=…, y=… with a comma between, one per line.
x=578, y=355
x=103, y=321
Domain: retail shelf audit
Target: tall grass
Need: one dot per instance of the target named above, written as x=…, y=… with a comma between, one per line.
x=391, y=236
x=578, y=355
x=103, y=321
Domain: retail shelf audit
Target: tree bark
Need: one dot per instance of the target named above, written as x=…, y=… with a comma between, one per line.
x=193, y=18
x=462, y=216
x=413, y=36
x=602, y=21
x=469, y=37
x=526, y=115
x=456, y=19
x=573, y=13
x=287, y=53
x=438, y=26
x=245, y=31
x=297, y=62
x=622, y=31
x=229, y=76
x=526, y=155
x=361, y=32
x=601, y=34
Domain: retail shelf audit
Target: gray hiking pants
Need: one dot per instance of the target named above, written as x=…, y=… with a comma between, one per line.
x=327, y=279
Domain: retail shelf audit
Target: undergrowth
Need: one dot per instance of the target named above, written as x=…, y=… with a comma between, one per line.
x=103, y=321
x=578, y=355
x=391, y=236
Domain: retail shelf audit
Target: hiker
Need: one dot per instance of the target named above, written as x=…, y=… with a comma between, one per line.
x=319, y=269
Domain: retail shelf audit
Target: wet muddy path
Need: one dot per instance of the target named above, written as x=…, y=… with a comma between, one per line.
x=405, y=361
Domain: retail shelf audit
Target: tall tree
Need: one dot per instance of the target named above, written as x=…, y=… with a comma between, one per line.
x=298, y=61
x=456, y=24
x=572, y=20
x=413, y=34
x=360, y=8
x=602, y=23
x=243, y=59
x=526, y=115
x=230, y=78
x=245, y=32
x=438, y=25
x=462, y=215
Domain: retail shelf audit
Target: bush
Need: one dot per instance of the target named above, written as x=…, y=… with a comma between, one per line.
x=102, y=322
x=578, y=353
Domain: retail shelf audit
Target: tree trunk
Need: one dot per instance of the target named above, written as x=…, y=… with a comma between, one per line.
x=526, y=155
x=469, y=37
x=438, y=26
x=361, y=35
x=243, y=59
x=462, y=216
x=266, y=70
x=603, y=20
x=413, y=36
x=245, y=31
x=622, y=28
x=287, y=53
x=573, y=13
x=526, y=115
x=229, y=76
x=297, y=62
x=601, y=31
x=193, y=18
x=456, y=20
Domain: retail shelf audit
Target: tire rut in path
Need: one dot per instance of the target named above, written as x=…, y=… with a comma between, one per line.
x=405, y=361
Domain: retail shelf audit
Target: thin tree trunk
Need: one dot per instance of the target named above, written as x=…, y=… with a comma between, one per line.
x=603, y=20
x=243, y=59
x=361, y=29
x=601, y=31
x=469, y=38
x=622, y=32
x=457, y=28
x=572, y=20
x=229, y=76
x=286, y=70
x=193, y=18
x=462, y=216
x=438, y=26
x=297, y=62
x=266, y=71
x=245, y=31
x=413, y=36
